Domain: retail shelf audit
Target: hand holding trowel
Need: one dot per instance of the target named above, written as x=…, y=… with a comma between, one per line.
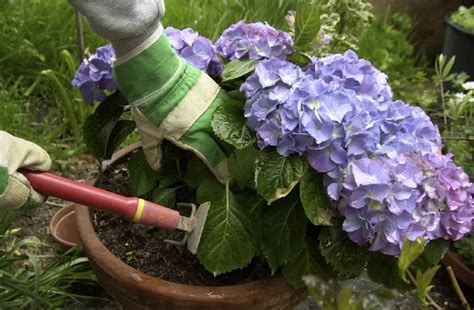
x=132, y=208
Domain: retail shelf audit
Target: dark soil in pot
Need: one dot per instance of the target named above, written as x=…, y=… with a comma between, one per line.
x=143, y=247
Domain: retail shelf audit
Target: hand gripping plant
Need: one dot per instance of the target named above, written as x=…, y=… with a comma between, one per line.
x=329, y=174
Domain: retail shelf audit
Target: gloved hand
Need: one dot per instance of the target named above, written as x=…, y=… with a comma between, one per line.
x=170, y=99
x=16, y=153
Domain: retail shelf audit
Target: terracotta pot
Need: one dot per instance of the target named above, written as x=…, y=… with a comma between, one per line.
x=461, y=270
x=63, y=227
x=136, y=290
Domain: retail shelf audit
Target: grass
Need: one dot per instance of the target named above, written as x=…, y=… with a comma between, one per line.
x=211, y=17
x=33, y=276
x=31, y=106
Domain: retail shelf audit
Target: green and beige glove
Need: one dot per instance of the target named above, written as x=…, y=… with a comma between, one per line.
x=170, y=99
x=16, y=153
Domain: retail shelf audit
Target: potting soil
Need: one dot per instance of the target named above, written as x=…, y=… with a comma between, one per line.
x=143, y=247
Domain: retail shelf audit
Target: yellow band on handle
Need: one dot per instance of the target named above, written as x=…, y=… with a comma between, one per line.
x=139, y=213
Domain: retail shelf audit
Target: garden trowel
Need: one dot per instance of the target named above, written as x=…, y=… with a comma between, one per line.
x=132, y=208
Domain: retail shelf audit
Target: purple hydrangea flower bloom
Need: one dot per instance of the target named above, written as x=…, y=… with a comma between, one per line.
x=94, y=75
x=352, y=73
x=254, y=41
x=197, y=50
x=381, y=158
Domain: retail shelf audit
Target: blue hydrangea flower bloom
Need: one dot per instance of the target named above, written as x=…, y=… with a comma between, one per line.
x=381, y=158
x=94, y=75
x=254, y=41
x=353, y=73
x=197, y=50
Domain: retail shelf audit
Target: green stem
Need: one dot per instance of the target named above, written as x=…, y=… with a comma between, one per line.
x=66, y=103
x=457, y=288
x=428, y=297
x=443, y=103
x=79, y=35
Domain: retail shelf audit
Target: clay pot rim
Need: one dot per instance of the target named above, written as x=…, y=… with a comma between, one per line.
x=58, y=218
x=143, y=281
x=448, y=21
x=461, y=270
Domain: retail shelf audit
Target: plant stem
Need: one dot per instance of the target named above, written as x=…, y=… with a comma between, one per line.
x=443, y=103
x=428, y=297
x=457, y=288
x=80, y=36
x=66, y=103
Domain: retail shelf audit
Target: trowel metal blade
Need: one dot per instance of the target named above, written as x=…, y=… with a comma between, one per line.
x=198, y=226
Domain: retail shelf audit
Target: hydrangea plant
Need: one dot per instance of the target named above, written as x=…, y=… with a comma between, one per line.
x=329, y=173
x=94, y=76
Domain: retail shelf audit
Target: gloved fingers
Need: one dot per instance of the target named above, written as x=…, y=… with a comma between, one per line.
x=151, y=139
x=196, y=140
x=17, y=153
x=119, y=19
x=18, y=193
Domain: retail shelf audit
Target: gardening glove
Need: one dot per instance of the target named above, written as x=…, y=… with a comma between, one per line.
x=16, y=153
x=169, y=98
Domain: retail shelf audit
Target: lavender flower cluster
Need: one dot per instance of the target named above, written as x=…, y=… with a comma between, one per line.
x=197, y=50
x=381, y=158
x=254, y=41
x=94, y=75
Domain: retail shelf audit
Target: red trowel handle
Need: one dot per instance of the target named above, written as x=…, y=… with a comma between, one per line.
x=136, y=209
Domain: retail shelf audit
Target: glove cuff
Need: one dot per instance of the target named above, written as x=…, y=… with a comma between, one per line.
x=122, y=47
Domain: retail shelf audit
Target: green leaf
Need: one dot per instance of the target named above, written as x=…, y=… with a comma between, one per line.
x=448, y=67
x=423, y=282
x=307, y=23
x=6, y=219
x=432, y=255
x=142, y=178
x=276, y=176
x=210, y=190
x=228, y=123
x=165, y=197
x=315, y=201
x=4, y=176
x=238, y=68
x=230, y=236
x=308, y=261
x=196, y=171
x=410, y=252
x=99, y=126
x=121, y=131
x=383, y=269
x=347, y=258
x=284, y=228
x=345, y=300
x=169, y=180
x=242, y=166
x=300, y=59
x=237, y=95
x=466, y=102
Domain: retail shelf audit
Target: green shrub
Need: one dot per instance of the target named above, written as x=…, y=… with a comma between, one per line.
x=464, y=17
x=386, y=44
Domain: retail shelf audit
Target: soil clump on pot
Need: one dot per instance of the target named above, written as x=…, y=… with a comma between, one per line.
x=143, y=247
